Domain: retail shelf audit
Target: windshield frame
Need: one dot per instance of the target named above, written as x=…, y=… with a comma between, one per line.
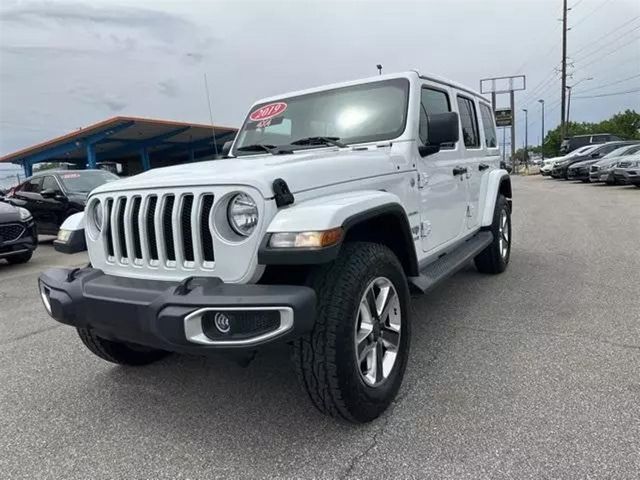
x=362, y=85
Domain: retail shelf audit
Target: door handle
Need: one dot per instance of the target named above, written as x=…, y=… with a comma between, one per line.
x=483, y=166
x=459, y=171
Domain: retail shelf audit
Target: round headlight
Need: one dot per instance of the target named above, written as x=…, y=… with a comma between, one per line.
x=96, y=215
x=242, y=214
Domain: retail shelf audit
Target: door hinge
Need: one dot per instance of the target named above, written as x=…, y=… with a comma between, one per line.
x=423, y=180
x=425, y=229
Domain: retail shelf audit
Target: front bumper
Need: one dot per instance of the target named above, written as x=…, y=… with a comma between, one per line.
x=26, y=242
x=578, y=174
x=175, y=316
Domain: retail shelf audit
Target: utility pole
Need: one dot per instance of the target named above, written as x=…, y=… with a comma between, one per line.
x=513, y=129
x=566, y=123
x=542, y=131
x=564, y=71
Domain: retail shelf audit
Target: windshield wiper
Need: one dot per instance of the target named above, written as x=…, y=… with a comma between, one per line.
x=320, y=141
x=258, y=147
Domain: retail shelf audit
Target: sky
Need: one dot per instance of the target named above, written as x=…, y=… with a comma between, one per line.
x=67, y=64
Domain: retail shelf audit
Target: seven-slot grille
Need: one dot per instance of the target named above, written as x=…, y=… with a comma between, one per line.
x=10, y=232
x=153, y=229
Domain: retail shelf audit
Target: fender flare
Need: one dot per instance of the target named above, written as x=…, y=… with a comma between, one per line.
x=346, y=210
x=498, y=181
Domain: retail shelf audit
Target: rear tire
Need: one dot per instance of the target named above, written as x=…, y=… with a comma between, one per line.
x=21, y=258
x=119, y=352
x=495, y=258
x=357, y=323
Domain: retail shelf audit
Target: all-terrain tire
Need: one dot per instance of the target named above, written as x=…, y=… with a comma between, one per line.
x=494, y=259
x=20, y=258
x=325, y=359
x=119, y=352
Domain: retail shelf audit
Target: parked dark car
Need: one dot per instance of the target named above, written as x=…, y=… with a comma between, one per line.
x=602, y=170
x=561, y=168
x=582, y=170
x=51, y=196
x=570, y=144
x=628, y=171
x=18, y=234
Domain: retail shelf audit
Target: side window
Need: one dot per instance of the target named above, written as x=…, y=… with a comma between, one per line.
x=469, y=122
x=432, y=102
x=488, y=126
x=33, y=185
x=50, y=183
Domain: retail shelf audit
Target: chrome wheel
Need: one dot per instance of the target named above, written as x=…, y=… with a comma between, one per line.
x=377, y=336
x=503, y=232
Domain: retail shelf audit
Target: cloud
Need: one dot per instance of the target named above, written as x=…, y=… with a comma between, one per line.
x=168, y=88
x=162, y=25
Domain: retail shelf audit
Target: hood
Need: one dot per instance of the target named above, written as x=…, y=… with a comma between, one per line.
x=583, y=163
x=8, y=213
x=302, y=171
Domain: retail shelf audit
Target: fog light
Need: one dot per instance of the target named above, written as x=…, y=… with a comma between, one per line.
x=222, y=322
x=44, y=295
x=64, y=235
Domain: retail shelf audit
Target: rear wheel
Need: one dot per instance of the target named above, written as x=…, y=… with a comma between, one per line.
x=119, y=352
x=352, y=363
x=495, y=258
x=20, y=258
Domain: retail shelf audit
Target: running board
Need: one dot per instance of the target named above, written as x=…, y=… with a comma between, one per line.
x=450, y=263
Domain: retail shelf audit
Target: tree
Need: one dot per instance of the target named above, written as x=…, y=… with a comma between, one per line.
x=624, y=124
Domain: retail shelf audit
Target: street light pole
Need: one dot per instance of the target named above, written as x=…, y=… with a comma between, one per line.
x=542, y=134
x=526, y=135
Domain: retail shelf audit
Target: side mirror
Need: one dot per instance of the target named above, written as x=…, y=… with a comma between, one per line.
x=226, y=148
x=443, y=128
x=595, y=155
x=49, y=193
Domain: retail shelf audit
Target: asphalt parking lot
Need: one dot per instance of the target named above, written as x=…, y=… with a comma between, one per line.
x=530, y=374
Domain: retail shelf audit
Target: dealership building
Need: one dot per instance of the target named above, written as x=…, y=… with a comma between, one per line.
x=127, y=145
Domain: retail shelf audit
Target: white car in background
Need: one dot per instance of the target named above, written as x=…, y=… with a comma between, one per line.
x=550, y=162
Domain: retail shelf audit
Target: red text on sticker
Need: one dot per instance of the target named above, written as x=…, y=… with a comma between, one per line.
x=268, y=111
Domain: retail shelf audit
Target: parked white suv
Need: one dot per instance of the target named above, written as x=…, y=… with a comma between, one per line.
x=333, y=205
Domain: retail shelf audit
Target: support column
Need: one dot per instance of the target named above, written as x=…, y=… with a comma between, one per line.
x=91, y=157
x=28, y=168
x=144, y=158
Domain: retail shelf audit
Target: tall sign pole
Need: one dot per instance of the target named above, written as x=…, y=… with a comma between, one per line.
x=504, y=117
x=563, y=93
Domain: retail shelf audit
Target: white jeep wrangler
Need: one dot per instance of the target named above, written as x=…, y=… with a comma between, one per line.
x=333, y=204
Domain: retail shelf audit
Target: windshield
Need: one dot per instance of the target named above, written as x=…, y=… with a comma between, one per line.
x=626, y=150
x=84, y=182
x=367, y=112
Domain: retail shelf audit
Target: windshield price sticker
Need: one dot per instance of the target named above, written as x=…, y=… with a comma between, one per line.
x=71, y=175
x=268, y=111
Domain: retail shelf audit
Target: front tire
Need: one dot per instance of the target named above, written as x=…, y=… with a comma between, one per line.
x=495, y=258
x=352, y=363
x=119, y=352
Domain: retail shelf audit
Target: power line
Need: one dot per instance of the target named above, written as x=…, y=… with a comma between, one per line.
x=591, y=13
x=610, y=84
x=606, y=55
x=615, y=30
x=610, y=94
x=602, y=47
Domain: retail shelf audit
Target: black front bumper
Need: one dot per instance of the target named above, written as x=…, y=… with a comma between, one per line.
x=26, y=242
x=153, y=313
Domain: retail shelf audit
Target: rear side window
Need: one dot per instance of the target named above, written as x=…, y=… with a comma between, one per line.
x=469, y=121
x=489, y=126
x=32, y=185
x=432, y=102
